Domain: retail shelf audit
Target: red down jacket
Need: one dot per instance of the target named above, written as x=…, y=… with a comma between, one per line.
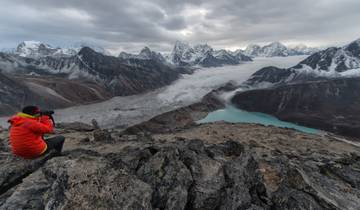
x=26, y=134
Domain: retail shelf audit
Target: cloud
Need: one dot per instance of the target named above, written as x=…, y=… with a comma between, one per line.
x=129, y=25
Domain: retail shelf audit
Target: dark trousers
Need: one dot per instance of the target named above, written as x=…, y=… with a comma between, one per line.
x=55, y=143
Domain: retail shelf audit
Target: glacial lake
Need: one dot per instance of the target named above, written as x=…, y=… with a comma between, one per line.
x=234, y=115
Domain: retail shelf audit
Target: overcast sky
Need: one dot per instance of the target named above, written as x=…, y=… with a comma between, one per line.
x=131, y=24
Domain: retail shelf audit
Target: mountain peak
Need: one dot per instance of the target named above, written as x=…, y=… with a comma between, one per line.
x=253, y=46
x=87, y=51
x=276, y=44
x=203, y=55
x=179, y=45
x=34, y=49
x=30, y=44
x=277, y=49
x=145, y=51
x=356, y=42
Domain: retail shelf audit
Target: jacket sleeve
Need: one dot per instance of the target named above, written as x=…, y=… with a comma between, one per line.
x=43, y=126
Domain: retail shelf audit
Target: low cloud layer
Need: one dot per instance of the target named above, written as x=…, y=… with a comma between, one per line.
x=129, y=25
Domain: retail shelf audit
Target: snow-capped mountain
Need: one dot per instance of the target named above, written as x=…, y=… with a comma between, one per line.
x=203, y=55
x=334, y=59
x=252, y=50
x=333, y=62
x=274, y=49
x=35, y=49
x=302, y=49
x=77, y=46
x=277, y=49
x=145, y=54
x=119, y=77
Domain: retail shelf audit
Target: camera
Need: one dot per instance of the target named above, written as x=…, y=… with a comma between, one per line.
x=47, y=112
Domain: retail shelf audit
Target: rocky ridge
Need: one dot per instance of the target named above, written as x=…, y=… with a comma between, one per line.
x=145, y=54
x=330, y=63
x=330, y=105
x=276, y=49
x=35, y=49
x=215, y=166
x=203, y=55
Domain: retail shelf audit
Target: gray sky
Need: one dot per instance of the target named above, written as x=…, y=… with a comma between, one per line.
x=131, y=24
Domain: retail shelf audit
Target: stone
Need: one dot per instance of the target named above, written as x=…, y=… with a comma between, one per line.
x=81, y=181
x=14, y=169
x=102, y=135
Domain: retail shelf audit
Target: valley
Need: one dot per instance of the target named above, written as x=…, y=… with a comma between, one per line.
x=180, y=105
x=129, y=110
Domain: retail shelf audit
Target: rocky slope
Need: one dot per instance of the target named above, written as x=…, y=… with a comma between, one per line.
x=213, y=166
x=47, y=92
x=126, y=77
x=331, y=105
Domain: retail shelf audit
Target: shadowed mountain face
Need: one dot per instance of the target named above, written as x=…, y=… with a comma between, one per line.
x=126, y=77
x=47, y=92
x=12, y=94
x=332, y=105
x=119, y=76
x=88, y=76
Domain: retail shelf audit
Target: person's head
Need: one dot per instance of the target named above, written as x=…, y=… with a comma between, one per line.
x=31, y=110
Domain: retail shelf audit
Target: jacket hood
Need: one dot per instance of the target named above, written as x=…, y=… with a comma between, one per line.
x=20, y=118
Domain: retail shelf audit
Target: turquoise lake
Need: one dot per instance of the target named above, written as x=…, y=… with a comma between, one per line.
x=234, y=115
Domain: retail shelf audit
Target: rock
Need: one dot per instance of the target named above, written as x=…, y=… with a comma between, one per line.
x=228, y=148
x=169, y=178
x=81, y=181
x=14, y=169
x=242, y=175
x=102, y=136
x=95, y=124
x=196, y=145
x=85, y=140
x=208, y=180
x=2, y=145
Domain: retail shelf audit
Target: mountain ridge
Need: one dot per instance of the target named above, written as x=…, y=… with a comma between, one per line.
x=203, y=55
x=333, y=62
x=275, y=49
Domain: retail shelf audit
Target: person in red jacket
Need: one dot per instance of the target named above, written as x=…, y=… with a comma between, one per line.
x=26, y=134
